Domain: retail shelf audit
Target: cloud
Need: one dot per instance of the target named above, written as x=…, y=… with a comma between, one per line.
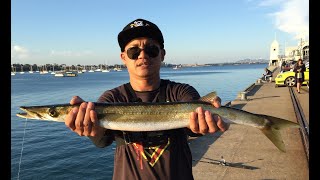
x=69, y=53
x=19, y=52
x=292, y=16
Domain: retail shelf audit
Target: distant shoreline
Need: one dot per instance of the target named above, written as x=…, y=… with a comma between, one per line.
x=221, y=64
x=61, y=67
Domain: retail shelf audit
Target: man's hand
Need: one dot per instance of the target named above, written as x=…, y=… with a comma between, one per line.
x=202, y=122
x=83, y=120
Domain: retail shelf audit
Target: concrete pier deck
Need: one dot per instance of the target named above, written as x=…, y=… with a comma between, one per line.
x=245, y=152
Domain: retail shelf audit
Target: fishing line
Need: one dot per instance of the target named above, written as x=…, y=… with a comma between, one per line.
x=24, y=133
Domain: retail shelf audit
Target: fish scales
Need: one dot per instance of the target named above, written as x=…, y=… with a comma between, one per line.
x=164, y=116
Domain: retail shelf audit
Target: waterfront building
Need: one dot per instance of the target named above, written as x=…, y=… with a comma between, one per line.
x=296, y=52
x=291, y=53
x=274, y=53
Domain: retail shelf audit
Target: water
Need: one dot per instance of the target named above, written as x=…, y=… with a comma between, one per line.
x=52, y=151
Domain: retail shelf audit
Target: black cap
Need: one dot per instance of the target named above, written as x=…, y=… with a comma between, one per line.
x=139, y=28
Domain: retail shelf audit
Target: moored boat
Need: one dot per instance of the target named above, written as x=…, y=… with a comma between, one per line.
x=66, y=74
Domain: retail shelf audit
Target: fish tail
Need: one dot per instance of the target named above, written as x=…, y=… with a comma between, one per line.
x=272, y=131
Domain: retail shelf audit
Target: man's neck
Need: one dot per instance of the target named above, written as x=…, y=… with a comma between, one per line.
x=145, y=84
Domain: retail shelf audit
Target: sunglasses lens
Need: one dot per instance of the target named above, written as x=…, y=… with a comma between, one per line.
x=134, y=52
x=152, y=51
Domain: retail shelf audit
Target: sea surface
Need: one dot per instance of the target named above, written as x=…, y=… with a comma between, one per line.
x=49, y=150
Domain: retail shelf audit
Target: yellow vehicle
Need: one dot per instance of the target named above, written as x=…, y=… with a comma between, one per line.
x=288, y=78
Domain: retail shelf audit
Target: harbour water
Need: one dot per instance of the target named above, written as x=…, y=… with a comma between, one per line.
x=49, y=150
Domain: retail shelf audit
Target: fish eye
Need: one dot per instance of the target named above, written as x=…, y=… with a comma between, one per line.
x=52, y=112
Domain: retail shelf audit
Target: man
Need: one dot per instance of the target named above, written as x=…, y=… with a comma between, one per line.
x=267, y=74
x=146, y=155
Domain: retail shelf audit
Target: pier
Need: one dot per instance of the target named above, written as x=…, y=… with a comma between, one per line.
x=245, y=152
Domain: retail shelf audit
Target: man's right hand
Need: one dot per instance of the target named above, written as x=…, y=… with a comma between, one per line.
x=83, y=120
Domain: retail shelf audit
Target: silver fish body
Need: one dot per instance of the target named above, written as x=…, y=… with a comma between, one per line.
x=162, y=116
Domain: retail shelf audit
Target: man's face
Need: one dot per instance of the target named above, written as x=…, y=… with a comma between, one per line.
x=143, y=58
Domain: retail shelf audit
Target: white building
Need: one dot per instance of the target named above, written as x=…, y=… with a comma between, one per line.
x=291, y=53
x=274, y=53
x=301, y=51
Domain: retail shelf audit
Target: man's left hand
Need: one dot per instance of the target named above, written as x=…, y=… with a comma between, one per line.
x=203, y=122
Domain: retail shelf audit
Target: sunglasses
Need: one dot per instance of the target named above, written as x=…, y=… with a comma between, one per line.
x=134, y=52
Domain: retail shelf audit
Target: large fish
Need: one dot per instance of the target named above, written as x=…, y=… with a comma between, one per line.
x=163, y=116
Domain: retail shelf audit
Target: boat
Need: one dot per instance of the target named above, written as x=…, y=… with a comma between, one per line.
x=21, y=72
x=44, y=70
x=13, y=71
x=66, y=74
x=71, y=73
x=177, y=67
x=37, y=69
x=79, y=71
x=59, y=74
x=83, y=69
x=99, y=69
x=53, y=72
x=117, y=68
x=105, y=69
x=91, y=70
x=31, y=71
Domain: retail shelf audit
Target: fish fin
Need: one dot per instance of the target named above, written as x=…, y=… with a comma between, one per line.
x=278, y=123
x=209, y=97
x=273, y=131
x=275, y=138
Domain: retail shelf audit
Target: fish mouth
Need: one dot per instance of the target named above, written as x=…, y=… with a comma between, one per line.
x=28, y=114
x=23, y=115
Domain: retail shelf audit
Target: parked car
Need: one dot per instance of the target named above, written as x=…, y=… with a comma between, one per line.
x=288, y=78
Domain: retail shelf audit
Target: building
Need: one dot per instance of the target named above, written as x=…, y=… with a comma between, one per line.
x=274, y=53
x=291, y=53
x=296, y=52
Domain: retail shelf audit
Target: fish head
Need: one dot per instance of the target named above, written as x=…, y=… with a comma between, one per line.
x=52, y=113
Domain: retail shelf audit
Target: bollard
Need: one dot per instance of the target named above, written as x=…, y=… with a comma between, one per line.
x=243, y=96
x=259, y=81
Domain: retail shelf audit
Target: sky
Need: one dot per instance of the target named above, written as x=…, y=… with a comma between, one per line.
x=206, y=31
